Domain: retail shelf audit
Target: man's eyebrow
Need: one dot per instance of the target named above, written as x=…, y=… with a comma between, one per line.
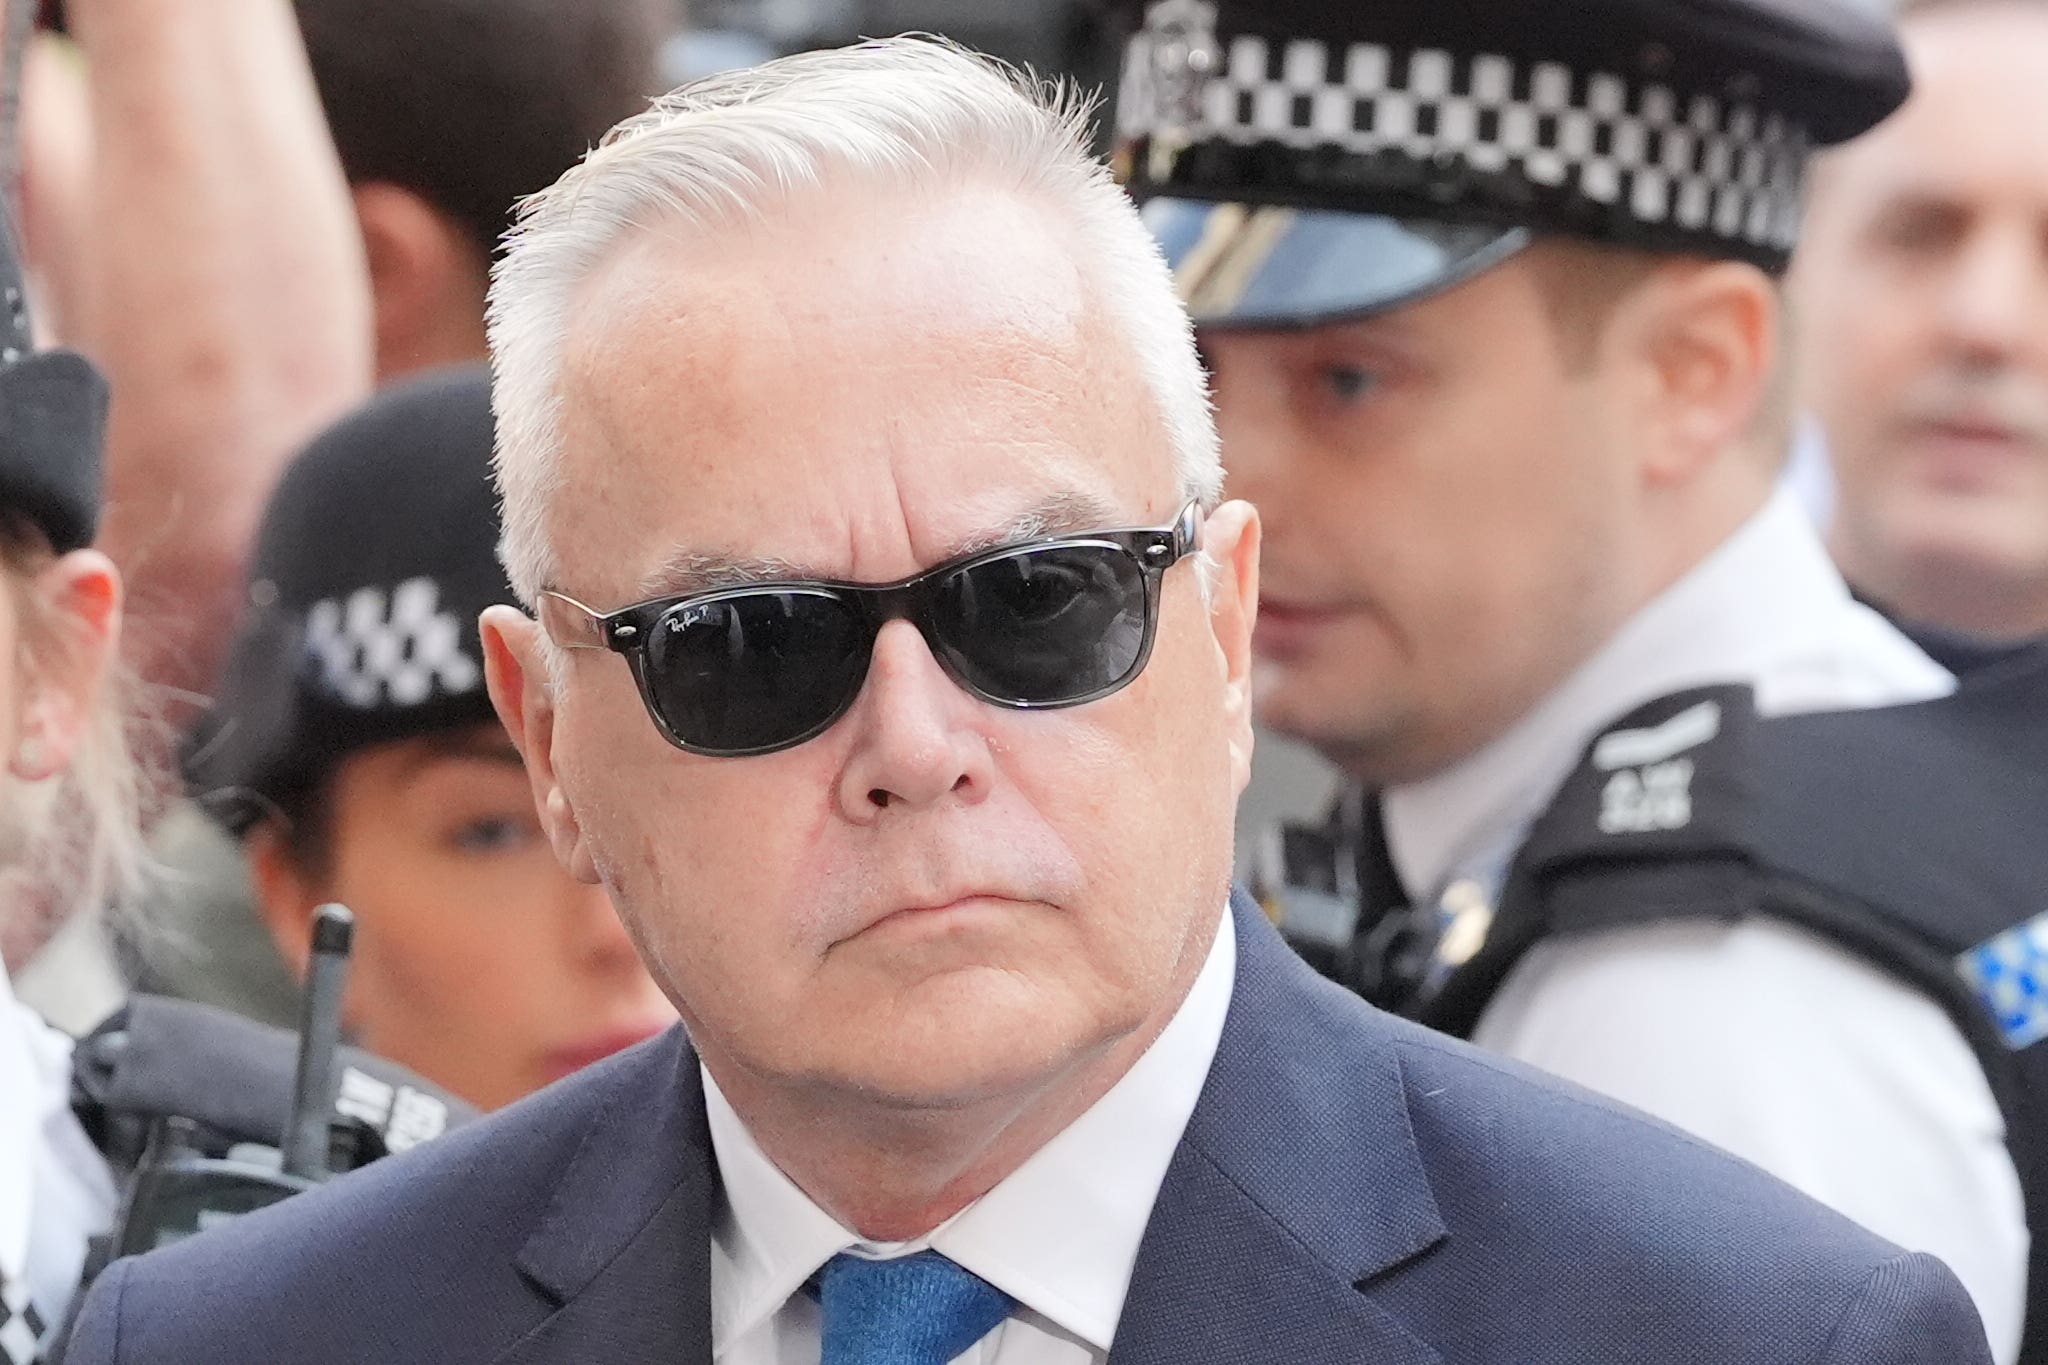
x=1062, y=514
x=693, y=571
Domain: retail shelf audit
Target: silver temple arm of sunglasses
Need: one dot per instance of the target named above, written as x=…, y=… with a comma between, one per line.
x=569, y=623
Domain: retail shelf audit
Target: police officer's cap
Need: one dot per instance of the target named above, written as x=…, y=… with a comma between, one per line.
x=378, y=552
x=1310, y=160
x=53, y=415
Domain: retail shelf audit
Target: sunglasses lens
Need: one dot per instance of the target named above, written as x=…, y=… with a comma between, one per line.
x=1044, y=626
x=755, y=671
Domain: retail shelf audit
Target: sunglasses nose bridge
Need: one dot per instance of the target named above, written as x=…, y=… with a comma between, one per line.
x=913, y=601
x=897, y=602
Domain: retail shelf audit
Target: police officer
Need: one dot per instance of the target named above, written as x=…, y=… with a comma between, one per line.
x=1489, y=290
x=77, y=1119
x=353, y=752
x=57, y=631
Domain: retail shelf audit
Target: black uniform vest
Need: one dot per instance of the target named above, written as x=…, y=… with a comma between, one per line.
x=1915, y=837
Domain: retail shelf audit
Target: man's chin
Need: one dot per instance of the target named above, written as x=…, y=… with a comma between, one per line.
x=942, y=1079
x=950, y=1049
x=1969, y=546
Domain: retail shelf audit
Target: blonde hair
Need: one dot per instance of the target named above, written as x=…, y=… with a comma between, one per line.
x=76, y=841
x=904, y=113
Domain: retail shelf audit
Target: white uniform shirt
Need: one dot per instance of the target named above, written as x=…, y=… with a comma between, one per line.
x=55, y=1191
x=1060, y=1234
x=1757, y=1036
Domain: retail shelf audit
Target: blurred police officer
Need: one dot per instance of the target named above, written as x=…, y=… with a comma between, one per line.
x=67, y=817
x=1489, y=293
x=353, y=751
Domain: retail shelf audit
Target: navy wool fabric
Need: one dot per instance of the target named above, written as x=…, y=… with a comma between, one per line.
x=913, y=1310
x=1351, y=1188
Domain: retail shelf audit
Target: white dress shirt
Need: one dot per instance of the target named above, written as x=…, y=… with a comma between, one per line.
x=1059, y=1235
x=55, y=1190
x=1758, y=1036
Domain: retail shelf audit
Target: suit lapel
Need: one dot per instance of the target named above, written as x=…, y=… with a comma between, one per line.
x=624, y=1248
x=1297, y=1184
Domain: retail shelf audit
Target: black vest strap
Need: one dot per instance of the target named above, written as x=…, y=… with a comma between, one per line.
x=1654, y=824
x=1915, y=837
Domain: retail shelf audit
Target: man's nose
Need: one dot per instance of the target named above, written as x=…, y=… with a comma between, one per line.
x=1997, y=290
x=915, y=742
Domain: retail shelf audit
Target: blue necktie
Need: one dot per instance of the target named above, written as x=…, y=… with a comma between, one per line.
x=916, y=1310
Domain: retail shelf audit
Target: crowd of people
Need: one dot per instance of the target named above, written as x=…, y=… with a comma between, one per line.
x=1615, y=437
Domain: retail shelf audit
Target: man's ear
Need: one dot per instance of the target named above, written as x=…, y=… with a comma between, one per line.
x=517, y=672
x=1707, y=337
x=78, y=606
x=427, y=282
x=1230, y=545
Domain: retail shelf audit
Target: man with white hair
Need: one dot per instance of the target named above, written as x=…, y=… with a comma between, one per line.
x=847, y=402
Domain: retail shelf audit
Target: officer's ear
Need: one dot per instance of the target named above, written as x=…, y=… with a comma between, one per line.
x=519, y=674
x=1704, y=338
x=70, y=617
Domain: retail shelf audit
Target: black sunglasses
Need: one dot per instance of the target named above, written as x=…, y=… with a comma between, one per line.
x=752, y=670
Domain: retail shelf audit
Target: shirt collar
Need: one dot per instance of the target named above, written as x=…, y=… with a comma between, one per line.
x=1766, y=608
x=1060, y=1234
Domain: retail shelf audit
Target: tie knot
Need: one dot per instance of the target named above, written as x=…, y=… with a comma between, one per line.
x=915, y=1310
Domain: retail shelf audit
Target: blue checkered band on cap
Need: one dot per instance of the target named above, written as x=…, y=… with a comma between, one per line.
x=1713, y=167
x=2009, y=974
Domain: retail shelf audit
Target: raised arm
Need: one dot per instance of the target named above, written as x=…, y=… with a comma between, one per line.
x=223, y=290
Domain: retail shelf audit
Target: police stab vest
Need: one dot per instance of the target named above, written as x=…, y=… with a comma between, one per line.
x=1914, y=837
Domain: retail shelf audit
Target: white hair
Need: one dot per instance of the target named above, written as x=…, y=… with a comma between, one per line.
x=911, y=113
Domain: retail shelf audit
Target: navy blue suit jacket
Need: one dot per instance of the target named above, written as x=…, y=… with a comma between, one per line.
x=1350, y=1189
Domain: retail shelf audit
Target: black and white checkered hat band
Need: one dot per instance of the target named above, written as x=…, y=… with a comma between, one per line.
x=1696, y=165
x=21, y=1327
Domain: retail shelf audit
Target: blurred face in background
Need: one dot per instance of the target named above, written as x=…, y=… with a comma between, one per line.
x=936, y=903
x=1922, y=293
x=59, y=629
x=1446, y=494
x=478, y=962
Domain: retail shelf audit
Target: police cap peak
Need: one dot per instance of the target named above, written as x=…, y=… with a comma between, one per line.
x=1303, y=160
